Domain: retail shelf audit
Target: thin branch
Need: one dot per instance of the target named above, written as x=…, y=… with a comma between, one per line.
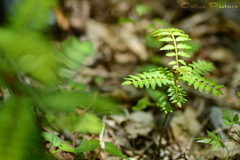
x=74, y=140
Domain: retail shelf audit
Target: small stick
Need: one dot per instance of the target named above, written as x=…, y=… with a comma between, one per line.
x=74, y=140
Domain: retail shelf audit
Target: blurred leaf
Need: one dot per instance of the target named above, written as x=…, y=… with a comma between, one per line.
x=161, y=22
x=89, y=123
x=157, y=23
x=31, y=54
x=155, y=94
x=156, y=59
x=142, y=104
x=31, y=14
x=55, y=151
x=238, y=93
x=123, y=20
x=98, y=80
x=66, y=148
x=77, y=86
x=19, y=136
x=111, y=149
x=152, y=42
x=87, y=146
x=67, y=101
x=142, y=9
x=84, y=123
x=75, y=51
x=54, y=140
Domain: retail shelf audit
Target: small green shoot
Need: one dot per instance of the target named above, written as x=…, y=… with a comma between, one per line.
x=192, y=73
x=142, y=9
x=229, y=119
x=214, y=140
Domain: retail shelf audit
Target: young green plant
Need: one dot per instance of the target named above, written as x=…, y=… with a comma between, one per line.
x=192, y=73
x=229, y=119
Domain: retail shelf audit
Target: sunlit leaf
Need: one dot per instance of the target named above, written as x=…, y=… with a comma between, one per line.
x=111, y=149
x=54, y=140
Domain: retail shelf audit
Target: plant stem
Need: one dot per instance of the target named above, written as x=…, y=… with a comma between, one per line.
x=94, y=158
x=175, y=45
x=89, y=156
x=161, y=133
x=227, y=156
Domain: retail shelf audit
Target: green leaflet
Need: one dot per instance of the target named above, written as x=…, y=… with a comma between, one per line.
x=155, y=78
x=218, y=86
x=166, y=39
x=168, y=47
x=201, y=68
x=172, y=62
x=177, y=94
x=181, y=53
x=171, y=54
x=196, y=84
x=182, y=62
x=183, y=46
x=183, y=39
x=127, y=83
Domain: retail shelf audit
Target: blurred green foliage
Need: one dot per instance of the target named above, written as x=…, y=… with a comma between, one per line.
x=152, y=42
x=123, y=20
x=19, y=136
x=142, y=104
x=32, y=70
x=142, y=9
